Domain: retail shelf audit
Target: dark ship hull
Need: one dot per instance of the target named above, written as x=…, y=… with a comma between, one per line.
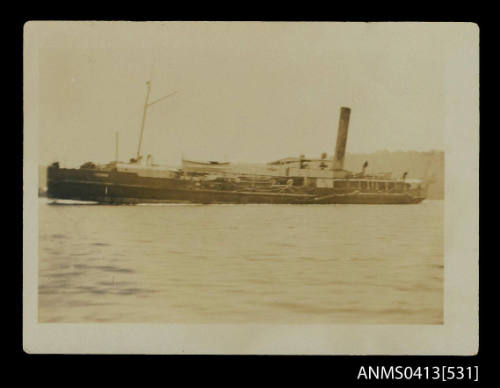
x=284, y=182
x=115, y=187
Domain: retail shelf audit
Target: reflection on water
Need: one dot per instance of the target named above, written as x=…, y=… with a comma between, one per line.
x=241, y=263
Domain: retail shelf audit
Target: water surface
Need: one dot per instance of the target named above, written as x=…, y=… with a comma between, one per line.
x=241, y=263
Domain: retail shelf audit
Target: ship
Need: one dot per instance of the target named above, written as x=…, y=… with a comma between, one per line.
x=291, y=180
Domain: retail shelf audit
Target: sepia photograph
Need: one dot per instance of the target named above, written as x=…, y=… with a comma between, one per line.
x=291, y=187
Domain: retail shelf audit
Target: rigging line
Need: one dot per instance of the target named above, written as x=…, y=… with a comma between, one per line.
x=162, y=98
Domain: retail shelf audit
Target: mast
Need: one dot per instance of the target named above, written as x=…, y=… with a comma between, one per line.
x=147, y=104
x=117, y=138
x=148, y=86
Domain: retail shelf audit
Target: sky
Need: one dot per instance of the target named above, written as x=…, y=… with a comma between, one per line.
x=251, y=92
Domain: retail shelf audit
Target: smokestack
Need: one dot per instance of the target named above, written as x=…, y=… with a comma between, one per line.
x=338, y=159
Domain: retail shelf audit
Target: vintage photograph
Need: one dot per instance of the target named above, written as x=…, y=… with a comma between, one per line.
x=240, y=172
